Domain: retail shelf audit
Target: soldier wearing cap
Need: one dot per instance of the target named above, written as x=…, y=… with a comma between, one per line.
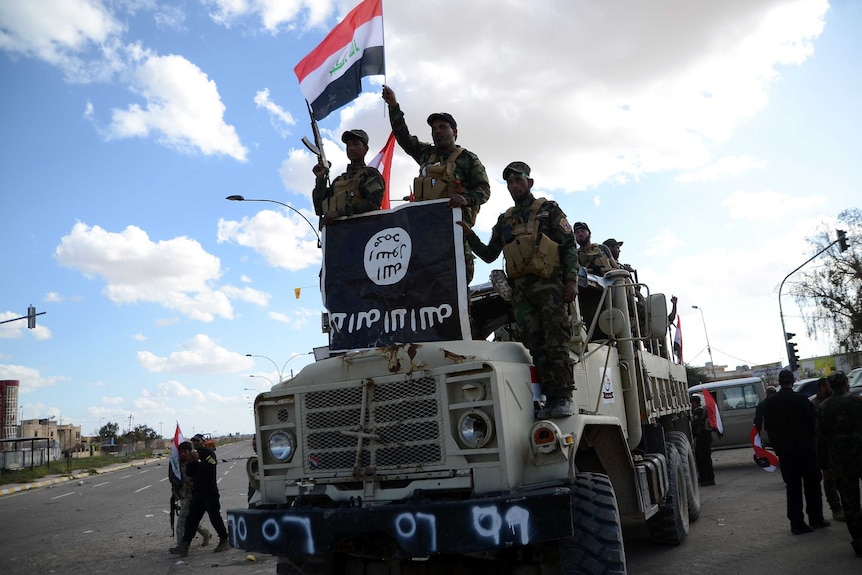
x=596, y=258
x=358, y=190
x=542, y=264
x=446, y=170
x=614, y=246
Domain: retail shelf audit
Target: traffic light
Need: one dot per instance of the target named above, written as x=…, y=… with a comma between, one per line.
x=31, y=317
x=842, y=240
x=792, y=351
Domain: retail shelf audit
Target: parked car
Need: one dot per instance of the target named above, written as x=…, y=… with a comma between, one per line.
x=737, y=401
x=806, y=387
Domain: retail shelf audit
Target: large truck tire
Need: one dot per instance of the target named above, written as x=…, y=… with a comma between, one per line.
x=596, y=548
x=670, y=525
x=686, y=455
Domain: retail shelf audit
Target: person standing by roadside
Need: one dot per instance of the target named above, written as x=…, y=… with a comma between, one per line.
x=839, y=448
x=789, y=420
x=205, y=497
x=183, y=495
x=830, y=489
x=702, y=432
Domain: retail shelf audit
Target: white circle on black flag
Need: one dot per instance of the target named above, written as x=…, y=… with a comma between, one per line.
x=387, y=256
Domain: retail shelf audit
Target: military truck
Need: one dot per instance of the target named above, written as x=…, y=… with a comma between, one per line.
x=427, y=457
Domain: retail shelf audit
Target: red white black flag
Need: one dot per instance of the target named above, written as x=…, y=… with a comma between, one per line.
x=382, y=162
x=331, y=75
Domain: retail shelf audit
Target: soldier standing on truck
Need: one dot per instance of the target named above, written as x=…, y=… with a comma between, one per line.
x=542, y=265
x=446, y=170
x=357, y=190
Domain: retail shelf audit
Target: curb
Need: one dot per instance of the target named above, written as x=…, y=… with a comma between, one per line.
x=46, y=483
x=57, y=480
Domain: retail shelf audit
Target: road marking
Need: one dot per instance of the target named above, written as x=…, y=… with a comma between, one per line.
x=88, y=531
x=165, y=479
x=102, y=483
x=125, y=476
x=142, y=488
x=64, y=495
x=148, y=515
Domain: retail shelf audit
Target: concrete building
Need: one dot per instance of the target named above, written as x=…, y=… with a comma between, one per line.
x=8, y=409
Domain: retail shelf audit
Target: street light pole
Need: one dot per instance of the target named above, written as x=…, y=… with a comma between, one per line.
x=708, y=348
x=283, y=366
x=238, y=198
x=263, y=377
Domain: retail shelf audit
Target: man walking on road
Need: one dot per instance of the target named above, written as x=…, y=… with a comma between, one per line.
x=789, y=419
x=205, y=497
x=839, y=448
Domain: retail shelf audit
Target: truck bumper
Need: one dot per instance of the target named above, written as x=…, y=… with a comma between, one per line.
x=415, y=529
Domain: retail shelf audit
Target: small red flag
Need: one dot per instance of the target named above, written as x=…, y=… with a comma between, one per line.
x=712, y=413
x=383, y=163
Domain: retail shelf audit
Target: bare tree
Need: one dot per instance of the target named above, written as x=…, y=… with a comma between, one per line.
x=830, y=294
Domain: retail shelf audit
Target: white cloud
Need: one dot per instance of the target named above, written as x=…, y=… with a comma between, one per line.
x=247, y=294
x=112, y=400
x=17, y=329
x=281, y=119
x=768, y=205
x=29, y=379
x=182, y=105
x=177, y=274
x=139, y=337
x=272, y=13
x=199, y=355
x=52, y=297
x=61, y=33
x=722, y=168
x=283, y=238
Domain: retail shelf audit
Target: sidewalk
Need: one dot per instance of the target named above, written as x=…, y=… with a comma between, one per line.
x=63, y=478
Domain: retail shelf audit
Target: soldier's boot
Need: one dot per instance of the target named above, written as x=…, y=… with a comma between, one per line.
x=223, y=545
x=838, y=515
x=182, y=549
x=206, y=535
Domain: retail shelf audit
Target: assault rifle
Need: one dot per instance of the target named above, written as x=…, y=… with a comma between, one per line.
x=174, y=509
x=317, y=147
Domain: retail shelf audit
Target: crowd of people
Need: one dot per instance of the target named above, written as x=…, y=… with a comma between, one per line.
x=816, y=440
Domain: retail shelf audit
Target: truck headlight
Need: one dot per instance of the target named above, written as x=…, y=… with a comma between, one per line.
x=475, y=429
x=282, y=444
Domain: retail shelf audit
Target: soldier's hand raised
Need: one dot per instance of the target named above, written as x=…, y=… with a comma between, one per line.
x=389, y=96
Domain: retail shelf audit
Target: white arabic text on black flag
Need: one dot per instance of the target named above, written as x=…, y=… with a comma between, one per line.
x=395, y=276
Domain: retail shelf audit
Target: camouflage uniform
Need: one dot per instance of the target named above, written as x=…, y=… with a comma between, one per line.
x=541, y=314
x=839, y=448
x=596, y=258
x=367, y=198
x=474, y=184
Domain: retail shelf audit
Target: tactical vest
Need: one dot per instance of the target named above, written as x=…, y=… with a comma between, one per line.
x=595, y=260
x=528, y=252
x=437, y=180
x=344, y=190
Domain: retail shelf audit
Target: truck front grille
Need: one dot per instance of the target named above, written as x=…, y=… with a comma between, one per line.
x=402, y=427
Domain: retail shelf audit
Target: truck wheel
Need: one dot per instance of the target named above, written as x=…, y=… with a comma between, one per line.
x=670, y=524
x=596, y=548
x=686, y=456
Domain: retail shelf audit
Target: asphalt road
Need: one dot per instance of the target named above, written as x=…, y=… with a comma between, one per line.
x=118, y=523
x=743, y=529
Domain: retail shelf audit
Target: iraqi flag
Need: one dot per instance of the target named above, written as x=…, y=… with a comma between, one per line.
x=382, y=162
x=331, y=75
x=712, y=413
x=765, y=459
x=677, y=340
x=174, y=473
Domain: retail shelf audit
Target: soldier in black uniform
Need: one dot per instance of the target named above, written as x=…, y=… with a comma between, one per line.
x=542, y=264
x=789, y=419
x=839, y=448
x=358, y=190
x=205, y=497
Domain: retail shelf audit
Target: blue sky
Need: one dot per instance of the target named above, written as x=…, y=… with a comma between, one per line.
x=711, y=137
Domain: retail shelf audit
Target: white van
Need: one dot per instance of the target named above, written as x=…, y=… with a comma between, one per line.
x=737, y=401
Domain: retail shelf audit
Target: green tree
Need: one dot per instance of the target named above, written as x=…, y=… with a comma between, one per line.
x=694, y=375
x=830, y=294
x=109, y=431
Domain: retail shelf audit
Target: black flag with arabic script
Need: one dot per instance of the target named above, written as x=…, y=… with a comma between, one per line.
x=395, y=276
